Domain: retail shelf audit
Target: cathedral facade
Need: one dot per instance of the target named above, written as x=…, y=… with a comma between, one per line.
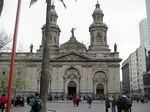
x=74, y=69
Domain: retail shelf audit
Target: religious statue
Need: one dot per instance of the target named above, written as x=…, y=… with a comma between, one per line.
x=31, y=48
x=115, y=47
x=72, y=31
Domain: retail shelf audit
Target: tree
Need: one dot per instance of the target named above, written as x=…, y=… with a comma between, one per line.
x=44, y=82
x=4, y=39
x=19, y=82
x=3, y=80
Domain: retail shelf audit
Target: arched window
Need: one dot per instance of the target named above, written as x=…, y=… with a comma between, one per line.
x=98, y=37
x=54, y=39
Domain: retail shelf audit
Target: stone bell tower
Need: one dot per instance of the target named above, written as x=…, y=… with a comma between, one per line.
x=54, y=31
x=98, y=32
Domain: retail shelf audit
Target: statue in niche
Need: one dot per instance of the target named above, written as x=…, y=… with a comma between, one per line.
x=115, y=47
x=31, y=48
x=72, y=31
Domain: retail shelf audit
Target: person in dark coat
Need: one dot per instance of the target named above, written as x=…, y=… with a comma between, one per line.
x=89, y=101
x=107, y=104
x=77, y=102
x=130, y=104
x=28, y=99
x=126, y=104
x=113, y=103
x=120, y=104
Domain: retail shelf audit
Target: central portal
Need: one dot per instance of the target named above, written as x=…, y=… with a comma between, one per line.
x=72, y=89
x=99, y=90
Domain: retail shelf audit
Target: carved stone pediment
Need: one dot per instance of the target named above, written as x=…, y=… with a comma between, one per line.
x=72, y=74
x=72, y=77
x=100, y=77
x=72, y=56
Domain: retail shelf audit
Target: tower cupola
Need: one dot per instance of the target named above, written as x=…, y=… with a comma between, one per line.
x=54, y=33
x=54, y=15
x=97, y=14
x=98, y=32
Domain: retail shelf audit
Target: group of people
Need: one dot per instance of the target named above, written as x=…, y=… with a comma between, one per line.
x=123, y=104
x=35, y=102
x=77, y=100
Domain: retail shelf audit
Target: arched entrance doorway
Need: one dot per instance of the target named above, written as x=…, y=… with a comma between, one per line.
x=99, y=90
x=72, y=89
x=100, y=83
x=72, y=82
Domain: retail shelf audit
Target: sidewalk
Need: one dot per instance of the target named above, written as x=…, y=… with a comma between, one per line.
x=68, y=101
x=67, y=106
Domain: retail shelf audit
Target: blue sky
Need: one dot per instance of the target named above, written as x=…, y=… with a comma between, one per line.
x=121, y=16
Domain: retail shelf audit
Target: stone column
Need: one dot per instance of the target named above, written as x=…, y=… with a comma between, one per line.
x=93, y=90
x=79, y=87
x=106, y=80
x=50, y=86
x=64, y=85
x=38, y=85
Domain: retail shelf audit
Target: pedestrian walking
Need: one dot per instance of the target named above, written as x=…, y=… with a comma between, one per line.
x=113, y=105
x=28, y=99
x=3, y=100
x=107, y=104
x=120, y=104
x=36, y=103
x=74, y=101
x=89, y=101
x=130, y=103
x=126, y=104
x=137, y=99
x=77, y=102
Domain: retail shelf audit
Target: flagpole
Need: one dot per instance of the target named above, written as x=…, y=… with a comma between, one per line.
x=10, y=84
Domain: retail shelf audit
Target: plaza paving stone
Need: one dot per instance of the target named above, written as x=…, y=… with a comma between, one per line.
x=97, y=106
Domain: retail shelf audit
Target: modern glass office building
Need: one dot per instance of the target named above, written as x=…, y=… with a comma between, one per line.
x=144, y=28
x=144, y=42
x=148, y=15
